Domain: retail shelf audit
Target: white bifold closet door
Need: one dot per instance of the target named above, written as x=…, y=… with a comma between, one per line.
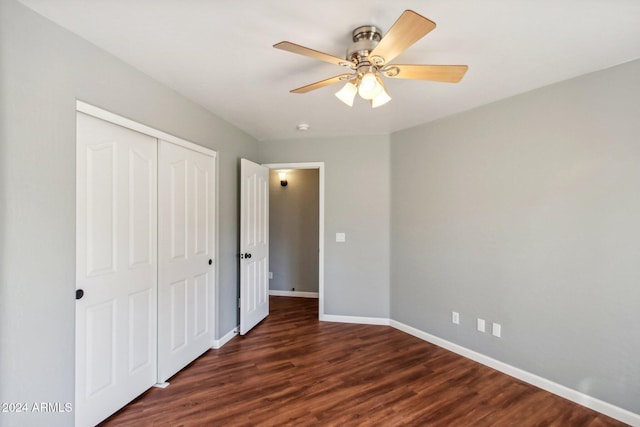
x=186, y=275
x=116, y=267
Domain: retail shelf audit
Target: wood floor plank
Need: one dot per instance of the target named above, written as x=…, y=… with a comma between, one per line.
x=294, y=370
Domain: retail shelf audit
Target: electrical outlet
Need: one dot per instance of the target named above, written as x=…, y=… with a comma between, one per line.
x=496, y=330
x=455, y=317
x=480, y=325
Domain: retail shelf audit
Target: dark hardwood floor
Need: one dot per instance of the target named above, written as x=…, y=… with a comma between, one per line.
x=294, y=370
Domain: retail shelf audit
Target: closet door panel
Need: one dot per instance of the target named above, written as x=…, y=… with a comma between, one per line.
x=116, y=267
x=186, y=264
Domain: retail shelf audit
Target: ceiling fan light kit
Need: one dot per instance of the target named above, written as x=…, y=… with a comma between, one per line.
x=369, y=57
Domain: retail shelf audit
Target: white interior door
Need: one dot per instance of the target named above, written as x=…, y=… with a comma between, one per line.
x=186, y=180
x=254, y=244
x=116, y=267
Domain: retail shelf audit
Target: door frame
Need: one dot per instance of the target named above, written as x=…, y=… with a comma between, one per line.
x=320, y=167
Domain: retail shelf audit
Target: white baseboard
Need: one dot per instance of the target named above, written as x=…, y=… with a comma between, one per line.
x=354, y=319
x=226, y=338
x=543, y=383
x=293, y=294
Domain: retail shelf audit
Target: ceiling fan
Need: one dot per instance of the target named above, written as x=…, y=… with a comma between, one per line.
x=369, y=57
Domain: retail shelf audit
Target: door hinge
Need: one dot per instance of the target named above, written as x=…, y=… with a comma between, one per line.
x=239, y=306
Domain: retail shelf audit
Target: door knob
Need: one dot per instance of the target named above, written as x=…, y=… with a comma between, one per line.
x=247, y=255
x=79, y=293
x=210, y=261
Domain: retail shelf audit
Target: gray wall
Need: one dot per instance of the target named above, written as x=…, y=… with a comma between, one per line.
x=293, y=231
x=526, y=212
x=356, y=273
x=43, y=69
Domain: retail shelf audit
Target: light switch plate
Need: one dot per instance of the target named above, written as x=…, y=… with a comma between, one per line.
x=341, y=237
x=480, y=325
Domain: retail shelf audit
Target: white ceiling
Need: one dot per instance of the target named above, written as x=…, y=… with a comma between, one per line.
x=220, y=55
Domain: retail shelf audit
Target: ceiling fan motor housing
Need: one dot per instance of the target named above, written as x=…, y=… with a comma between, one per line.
x=365, y=39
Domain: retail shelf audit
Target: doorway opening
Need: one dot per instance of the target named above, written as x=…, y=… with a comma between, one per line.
x=291, y=186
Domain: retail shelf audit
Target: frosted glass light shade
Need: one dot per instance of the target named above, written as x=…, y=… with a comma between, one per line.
x=347, y=93
x=380, y=99
x=369, y=86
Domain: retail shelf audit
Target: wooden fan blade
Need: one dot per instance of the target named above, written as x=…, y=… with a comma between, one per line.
x=321, y=83
x=407, y=30
x=301, y=50
x=437, y=73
